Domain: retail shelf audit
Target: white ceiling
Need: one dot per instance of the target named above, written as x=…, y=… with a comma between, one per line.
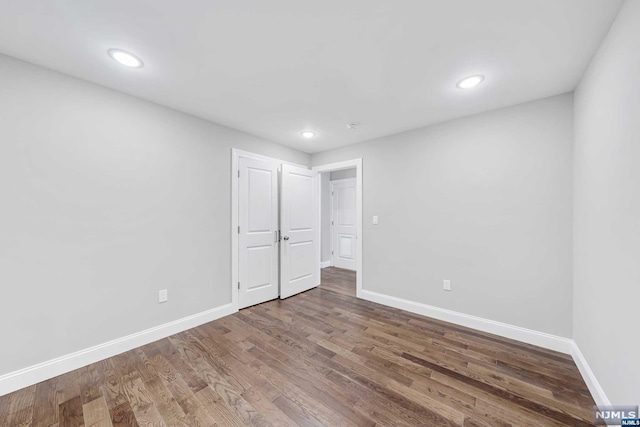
x=275, y=68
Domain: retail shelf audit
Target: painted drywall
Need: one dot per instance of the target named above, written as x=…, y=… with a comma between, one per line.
x=607, y=211
x=484, y=201
x=107, y=199
x=343, y=174
x=325, y=216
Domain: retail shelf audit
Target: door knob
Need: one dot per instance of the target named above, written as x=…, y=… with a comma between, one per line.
x=285, y=238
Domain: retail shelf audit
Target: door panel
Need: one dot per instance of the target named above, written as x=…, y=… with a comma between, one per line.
x=301, y=263
x=259, y=259
x=258, y=219
x=344, y=232
x=345, y=246
x=300, y=195
x=299, y=249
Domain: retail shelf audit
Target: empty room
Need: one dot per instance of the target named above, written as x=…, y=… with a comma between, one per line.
x=329, y=213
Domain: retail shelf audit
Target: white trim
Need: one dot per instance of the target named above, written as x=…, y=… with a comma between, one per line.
x=235, y=221
x=235, y=155
x=318, y=237
x=332, y=167
x=348, y=164
x=338, y=181
x=590, y=379
x=541, y=339
x=250, y=155
x=325, y=264
x=43, y=371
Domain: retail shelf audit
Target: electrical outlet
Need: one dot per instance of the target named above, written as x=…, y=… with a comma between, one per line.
x=163, y=296
x=446, y=285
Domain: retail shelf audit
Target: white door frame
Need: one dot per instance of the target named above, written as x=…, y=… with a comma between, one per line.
x=331, y=201
x=235, y=155
x=349, y=164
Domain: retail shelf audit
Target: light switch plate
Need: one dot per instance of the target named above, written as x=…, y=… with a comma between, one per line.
x=446, y=285
x=375, y=220
x=163, y=296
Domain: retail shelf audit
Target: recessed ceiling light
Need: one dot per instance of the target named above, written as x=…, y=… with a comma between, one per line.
x=471, y=81
x=125, y=58
x=308, y=134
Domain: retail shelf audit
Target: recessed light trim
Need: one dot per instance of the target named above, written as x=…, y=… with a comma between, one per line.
x=471, y=81
x=308, y=134
x=125, y=58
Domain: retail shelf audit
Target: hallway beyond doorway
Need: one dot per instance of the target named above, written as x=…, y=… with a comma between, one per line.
x=339, y=280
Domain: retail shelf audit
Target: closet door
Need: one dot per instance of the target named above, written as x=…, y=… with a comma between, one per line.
x=258, y=233
x=299, y=249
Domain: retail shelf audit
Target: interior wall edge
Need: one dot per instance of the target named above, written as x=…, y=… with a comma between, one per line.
x=31, y=375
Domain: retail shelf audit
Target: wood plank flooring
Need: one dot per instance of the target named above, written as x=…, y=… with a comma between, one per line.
x=319, y=358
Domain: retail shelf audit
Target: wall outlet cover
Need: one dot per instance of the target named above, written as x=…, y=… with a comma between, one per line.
x=163, y=296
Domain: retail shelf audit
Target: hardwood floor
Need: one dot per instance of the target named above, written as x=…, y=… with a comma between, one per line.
x=339, y=280
x=319, y=358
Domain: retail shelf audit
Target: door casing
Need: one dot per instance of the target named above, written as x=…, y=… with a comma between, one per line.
x=349, y=164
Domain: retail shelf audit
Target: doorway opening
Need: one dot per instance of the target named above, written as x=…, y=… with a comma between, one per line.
x=341, y=226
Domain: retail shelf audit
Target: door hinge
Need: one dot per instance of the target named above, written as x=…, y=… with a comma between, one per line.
x=331, y=222
x=238, y=173
x=238, y=285
x=331, y=252
x=238, y=229
x=332, y=193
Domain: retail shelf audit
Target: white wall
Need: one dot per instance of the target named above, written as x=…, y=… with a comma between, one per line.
x=105, y=200
x=607, y=210
x=485, y=201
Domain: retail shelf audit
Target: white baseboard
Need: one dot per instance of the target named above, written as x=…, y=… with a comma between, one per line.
x=589, y=377
x=325, y=264
x=43, y=371
x=541, y=339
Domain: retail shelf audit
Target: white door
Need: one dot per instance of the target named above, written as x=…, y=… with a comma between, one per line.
x=258, y=241
x=343, y=223
x=299, y=249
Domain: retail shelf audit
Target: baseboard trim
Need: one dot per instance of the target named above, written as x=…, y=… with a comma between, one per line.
x=541, y=339
x=26, y=377
x=43, y=371
x=589, y=377
x=325, y=264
